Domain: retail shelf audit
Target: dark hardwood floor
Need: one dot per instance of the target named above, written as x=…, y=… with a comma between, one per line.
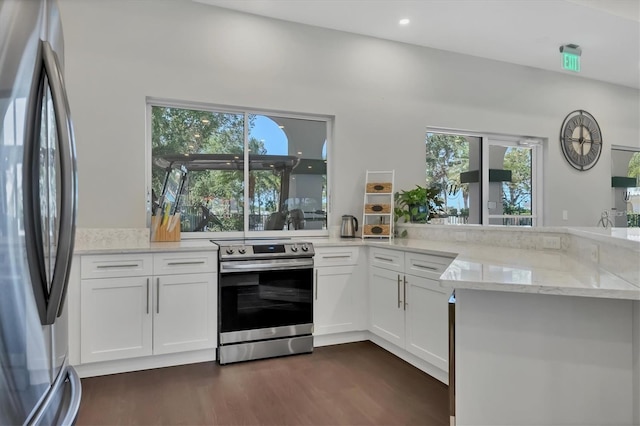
x=351, y=384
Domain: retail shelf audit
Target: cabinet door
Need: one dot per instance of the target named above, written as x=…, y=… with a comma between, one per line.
x=184, y=312
x=334, y=300
x=116, y=318
x=386, y=305
x=427, y=320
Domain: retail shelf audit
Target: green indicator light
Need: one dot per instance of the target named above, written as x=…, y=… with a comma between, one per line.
x=570, y=62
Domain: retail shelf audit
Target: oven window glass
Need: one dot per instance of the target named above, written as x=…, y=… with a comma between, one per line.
x=265, y=299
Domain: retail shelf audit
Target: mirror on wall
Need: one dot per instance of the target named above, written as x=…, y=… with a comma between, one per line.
x=625, y=186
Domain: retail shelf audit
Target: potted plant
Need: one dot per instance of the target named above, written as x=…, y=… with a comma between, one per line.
x=418, y=205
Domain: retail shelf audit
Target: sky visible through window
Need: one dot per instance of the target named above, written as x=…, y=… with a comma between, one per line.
x=267, y=130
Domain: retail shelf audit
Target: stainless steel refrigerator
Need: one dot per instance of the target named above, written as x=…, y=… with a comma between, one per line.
x=38, y=187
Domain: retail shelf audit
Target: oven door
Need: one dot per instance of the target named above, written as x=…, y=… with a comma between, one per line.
x=265, y=299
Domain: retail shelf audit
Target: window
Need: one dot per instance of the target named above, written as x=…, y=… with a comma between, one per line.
x=485, y=179
x=236, y=171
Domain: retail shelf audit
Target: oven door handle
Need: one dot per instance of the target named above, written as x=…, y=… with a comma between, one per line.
x=271, y=265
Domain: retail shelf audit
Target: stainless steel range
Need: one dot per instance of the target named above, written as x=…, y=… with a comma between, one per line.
x=265, y=299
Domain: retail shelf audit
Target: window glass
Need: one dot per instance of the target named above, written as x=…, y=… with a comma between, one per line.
x=204, y=154
x=209, y=148
x=482, y=179
x=510, y=185
x=453, y=164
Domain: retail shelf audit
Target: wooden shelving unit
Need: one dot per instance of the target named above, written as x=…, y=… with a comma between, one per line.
x=377, y=217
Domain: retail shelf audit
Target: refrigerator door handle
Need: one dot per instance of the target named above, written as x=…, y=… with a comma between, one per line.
x=43, y=414
x=76, y=395
x=32, y=214
x=68, y=183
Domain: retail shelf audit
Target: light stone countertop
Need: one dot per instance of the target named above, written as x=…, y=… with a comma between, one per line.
x=475, y=266
x=479, y=267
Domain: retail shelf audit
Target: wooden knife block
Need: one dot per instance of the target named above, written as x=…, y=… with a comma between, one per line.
x=167, y=231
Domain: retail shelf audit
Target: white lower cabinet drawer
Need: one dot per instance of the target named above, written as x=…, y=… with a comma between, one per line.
x=336, y=256
x=424, y=265
x=387, y=259
x=116, y=265
x=185, y=263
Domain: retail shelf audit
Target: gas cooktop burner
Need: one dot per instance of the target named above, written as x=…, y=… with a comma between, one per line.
x=262, y=249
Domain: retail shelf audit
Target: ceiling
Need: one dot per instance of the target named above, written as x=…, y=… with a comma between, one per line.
x=524, y=32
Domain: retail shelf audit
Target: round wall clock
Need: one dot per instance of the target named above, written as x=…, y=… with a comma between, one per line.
x=581, y=140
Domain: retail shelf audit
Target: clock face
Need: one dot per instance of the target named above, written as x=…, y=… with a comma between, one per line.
x=581, y=140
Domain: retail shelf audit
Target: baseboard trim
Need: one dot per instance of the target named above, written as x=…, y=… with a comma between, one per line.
x=206, y=355
x=144, y=363
x=340, y=338
x=420, y=364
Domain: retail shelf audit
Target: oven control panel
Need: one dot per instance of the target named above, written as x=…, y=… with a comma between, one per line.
x=238, y=250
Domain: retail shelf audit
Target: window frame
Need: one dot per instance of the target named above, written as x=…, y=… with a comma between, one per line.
x=226, y=109
x=494, y=139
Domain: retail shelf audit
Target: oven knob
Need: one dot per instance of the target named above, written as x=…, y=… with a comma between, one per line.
x=229, y=251
x=304, y=247
x=294, y=249
x=242, y=250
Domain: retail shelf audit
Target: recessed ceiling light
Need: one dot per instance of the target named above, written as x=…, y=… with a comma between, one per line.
x=404, y=21
x=299, y=152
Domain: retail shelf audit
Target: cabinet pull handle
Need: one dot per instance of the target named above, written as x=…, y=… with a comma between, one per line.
x=398, y=291
x=199, y=262
x=388, y=259
x=405, y=293
x=431, y=268
x=316, y=284
x=147, y=295
x=157, y=295
x=340, y=256
x=133, y=265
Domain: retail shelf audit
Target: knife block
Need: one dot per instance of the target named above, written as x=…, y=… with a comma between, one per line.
x=167, y=231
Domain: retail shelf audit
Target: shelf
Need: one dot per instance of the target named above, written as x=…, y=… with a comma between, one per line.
x=378, y=205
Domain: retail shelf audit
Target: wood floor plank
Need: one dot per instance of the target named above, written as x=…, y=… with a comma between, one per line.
x=350, y=384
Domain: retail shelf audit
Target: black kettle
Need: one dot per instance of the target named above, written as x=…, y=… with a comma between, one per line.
x=349, y=226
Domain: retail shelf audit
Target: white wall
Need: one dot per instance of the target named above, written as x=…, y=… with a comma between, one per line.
x=383, y=95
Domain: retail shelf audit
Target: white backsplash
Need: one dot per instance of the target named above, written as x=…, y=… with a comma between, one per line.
x=96, y=238
x=524, y=238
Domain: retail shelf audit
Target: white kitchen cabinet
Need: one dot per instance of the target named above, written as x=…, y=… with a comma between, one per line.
x=184, y=318
x=338, y=304
x=116, y=318
x=407, y=305
x=427, y=320
x=115, y=314
x=128, y=311
x=387, y=318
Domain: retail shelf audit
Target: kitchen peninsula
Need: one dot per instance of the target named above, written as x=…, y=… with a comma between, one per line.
x=547, y=319
x=544, y=337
